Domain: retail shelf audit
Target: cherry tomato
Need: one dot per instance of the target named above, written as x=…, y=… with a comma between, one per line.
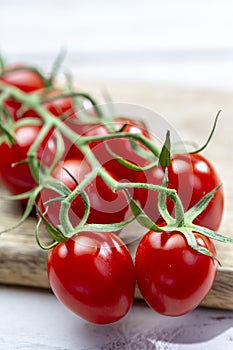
x=120, y=146
x=93, y=275
x=107, y=207
x=15, y=173
x=60, y=107
x=172, y=277
x=64, y=108
x=24, y=79
x=192, y=176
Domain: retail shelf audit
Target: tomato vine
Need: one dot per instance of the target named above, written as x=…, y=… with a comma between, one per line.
x=137, y=173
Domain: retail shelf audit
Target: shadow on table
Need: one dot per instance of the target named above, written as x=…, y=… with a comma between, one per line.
x=144, y=329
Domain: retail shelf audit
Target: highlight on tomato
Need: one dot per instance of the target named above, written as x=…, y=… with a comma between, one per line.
x=93, y=275
x=172, y=277
x=15, y=170
x=107, y=151
x=192, y=175
x=106, y=206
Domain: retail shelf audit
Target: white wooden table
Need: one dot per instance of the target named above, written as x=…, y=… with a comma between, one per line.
x=179, y=43
x=32, y=319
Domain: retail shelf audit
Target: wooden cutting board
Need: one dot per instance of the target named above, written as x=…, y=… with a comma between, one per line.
x=190, y=113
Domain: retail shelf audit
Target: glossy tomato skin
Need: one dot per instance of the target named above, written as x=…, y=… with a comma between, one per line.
x=120, y=146
x=79, y=169
x=93, y=275
x=17, y=176
x=172, y=277
x=63, y=108
x=24, y=79
x=107, y=207
x=60, y=106
x=192, y=176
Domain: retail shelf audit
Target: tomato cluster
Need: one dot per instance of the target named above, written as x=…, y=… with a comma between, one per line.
x=92, y=272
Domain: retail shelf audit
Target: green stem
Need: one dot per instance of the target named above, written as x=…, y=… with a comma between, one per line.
x=179, y=209
x=77, y=94
x=210, y=136
x=50, y=121
x=32, y=153
x=4, y=95
x=171, y=193
x=33, y=100
x=121, y=185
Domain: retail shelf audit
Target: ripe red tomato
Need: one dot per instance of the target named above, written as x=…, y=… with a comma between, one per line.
x=93, y=275
x=24, y=79
x=107, y=207
x=172, y=277
x=62, y=106
x=192, y=176
x=120, y=146
x=18, y=178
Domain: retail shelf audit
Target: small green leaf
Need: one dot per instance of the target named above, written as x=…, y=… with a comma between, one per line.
x=142, y=152
x=140, y=216
x=127, y=163
x=56, y=234
x=40, y=244
x=162, y=202
x=211, y=234
x=103, y=227
x=32, y=195
x=200, y=206
x=55, y=185
x=210, y=136
x=193, y=244
x=165, y=154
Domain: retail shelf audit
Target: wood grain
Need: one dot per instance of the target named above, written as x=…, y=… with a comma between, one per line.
x=22, y=262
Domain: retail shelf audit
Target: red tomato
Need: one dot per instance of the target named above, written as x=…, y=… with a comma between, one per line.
x=24, y=79
x=120, y=146
x=18, y=178
x=172, y=277
x=59, y=107
x=106, y=206
x=93, y=275
x=63, y=108
x=192, y=176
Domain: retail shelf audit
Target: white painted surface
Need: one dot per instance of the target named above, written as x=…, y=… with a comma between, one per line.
x=183, y=43
x=32, y=319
